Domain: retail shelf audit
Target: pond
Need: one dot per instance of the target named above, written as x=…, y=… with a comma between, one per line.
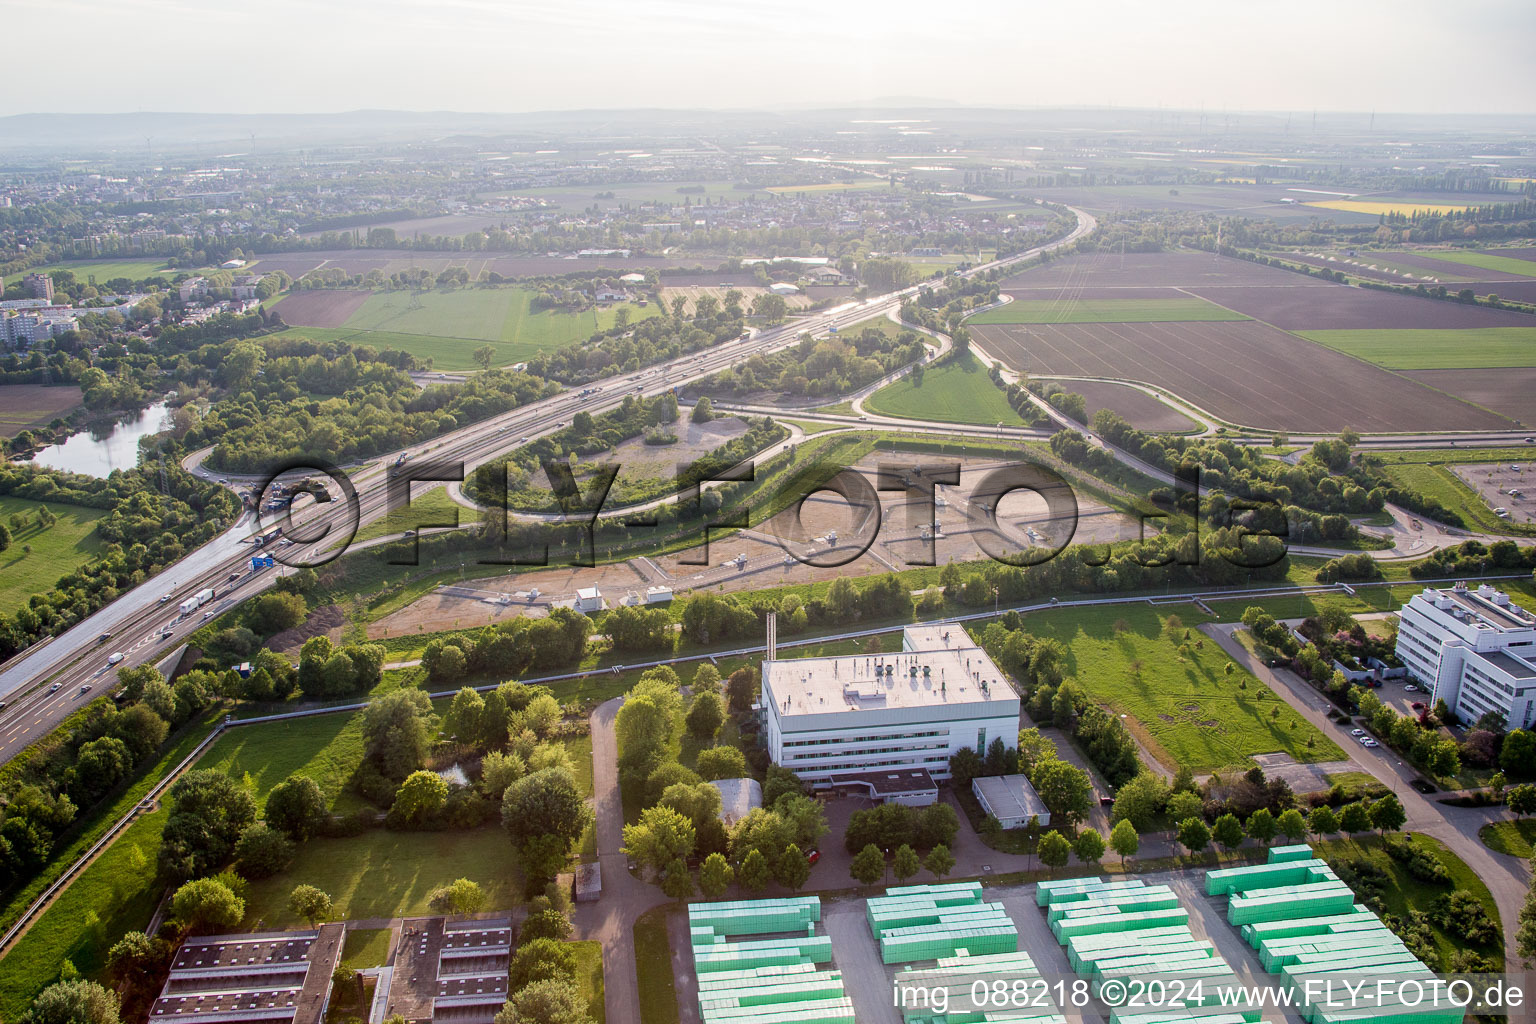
x=101, y=448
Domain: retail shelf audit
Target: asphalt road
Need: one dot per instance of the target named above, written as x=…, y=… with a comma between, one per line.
x=44, y=684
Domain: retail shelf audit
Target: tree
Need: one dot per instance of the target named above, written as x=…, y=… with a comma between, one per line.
x=275, y=612
x=661, y=836
x=1522, y=799
x=310, y=903
x=1354, y=818
x=676, y=882
x=207, y=903
x=1124, y=840
x=1228, y=831
x=715, y=876
x=1140, y=801
x=466, y=715
x=1387, y=814
x=905, y=864
x=1054, y=850
x=705, y=715
x=498, y=771
x=868, y=865
x=792, y=870
x=1322, y=820
x=703, y=410
x=1518, y=754
x=263, y=851
x=1194, y=834
x=1525, y=933
x=485, y=355
x=72, y=1002
x=208, y=812
x=541, y=960
x=545, y=803
x=133, y=958
x=545, y=1001
x=1065, y=789
x=1089, y=846
x=420, y=797
x=296, y=807
x=397, y=731
x=1184, y=804
x=721, y=763
x=939, y=861
x=1261, y=825
x=461, y=896
x=1291, y=825
x=741, y=688
x=753, y=873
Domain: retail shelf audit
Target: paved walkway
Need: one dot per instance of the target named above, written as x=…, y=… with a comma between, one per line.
x=611, y=919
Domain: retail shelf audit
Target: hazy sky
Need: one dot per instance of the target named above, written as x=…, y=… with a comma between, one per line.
x=517, y=55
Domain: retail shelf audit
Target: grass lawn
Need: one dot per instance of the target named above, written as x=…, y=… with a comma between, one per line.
x=389, y=874
x=56, y=550
x=1516, y=838
x=1185, y=709
x=811, y=426
x=448, y=326
x=115, y=894
x=1482, y=260
x=1427, y=472
x=589, y=976
x=863, y=184
x=445, y=353
x=432, y=505
x=106, y=270
x=327, y=748
x=366, y=947
x=653, y=966
x=1405, y=893
x=957, y=390
x=1104, y=311
x=1475, y=348
x=884, y=324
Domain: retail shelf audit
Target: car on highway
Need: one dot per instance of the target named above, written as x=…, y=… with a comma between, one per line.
x=55, y=687
x=85, y=687
x=232, y=577
x=116, y=658
x=164, y=598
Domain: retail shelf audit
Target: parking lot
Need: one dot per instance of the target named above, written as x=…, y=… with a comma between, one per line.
x=1503, y=485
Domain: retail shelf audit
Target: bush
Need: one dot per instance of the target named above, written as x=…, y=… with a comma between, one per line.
x=1424, y=866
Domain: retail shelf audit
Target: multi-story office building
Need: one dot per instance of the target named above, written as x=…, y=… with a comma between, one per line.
x=1473, y=649
x=889, y=722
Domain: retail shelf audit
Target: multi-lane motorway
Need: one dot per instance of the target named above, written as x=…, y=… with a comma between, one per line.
x=43, y=685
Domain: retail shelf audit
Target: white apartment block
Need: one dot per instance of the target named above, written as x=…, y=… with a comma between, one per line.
x=24, y=328
x=886, y=716
x=1473, y=649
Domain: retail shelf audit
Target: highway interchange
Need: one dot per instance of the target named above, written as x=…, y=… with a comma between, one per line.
x=42, y=685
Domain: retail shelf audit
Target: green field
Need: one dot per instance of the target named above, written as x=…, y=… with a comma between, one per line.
x=1404, y=893
x=589, y=976
x=449, y=326
x=1103, y=311
x=653, y=967
x=389, y=874
x=366, y=947
x=431, y=506
x=1184, y=707
x=60, y=548
x=1482, y=260
x=1426, y=472
x=1477, y=348
x=1516, y=838
x=957, y=390
x=327, y=748
x=106, y=270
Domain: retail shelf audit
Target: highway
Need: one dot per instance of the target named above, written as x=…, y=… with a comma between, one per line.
x=43, y=685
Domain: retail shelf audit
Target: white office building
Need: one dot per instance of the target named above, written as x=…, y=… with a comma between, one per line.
x=888, y=722
x=1473, y=649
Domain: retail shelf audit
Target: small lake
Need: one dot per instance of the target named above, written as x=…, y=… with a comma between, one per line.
x=101, y=448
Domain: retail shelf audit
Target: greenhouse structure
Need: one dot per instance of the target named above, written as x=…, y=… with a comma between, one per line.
x=930, y=922
x=781, y=975
x=1290, y=911
x=945, y=994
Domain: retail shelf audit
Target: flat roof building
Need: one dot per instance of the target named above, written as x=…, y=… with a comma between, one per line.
x=1473, y=649
x=260, y=978
x=828, y=718
x=1011, y=800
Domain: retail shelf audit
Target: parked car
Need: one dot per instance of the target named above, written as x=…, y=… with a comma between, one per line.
x=1357, y=732
x=1371, y=743
x=1418, y=705
x=1411, y=688
x=813, y=857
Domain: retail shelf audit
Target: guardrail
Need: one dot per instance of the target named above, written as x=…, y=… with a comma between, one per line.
x=81, y=862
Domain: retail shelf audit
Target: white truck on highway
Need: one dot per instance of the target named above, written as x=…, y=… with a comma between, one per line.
x=196, y=601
